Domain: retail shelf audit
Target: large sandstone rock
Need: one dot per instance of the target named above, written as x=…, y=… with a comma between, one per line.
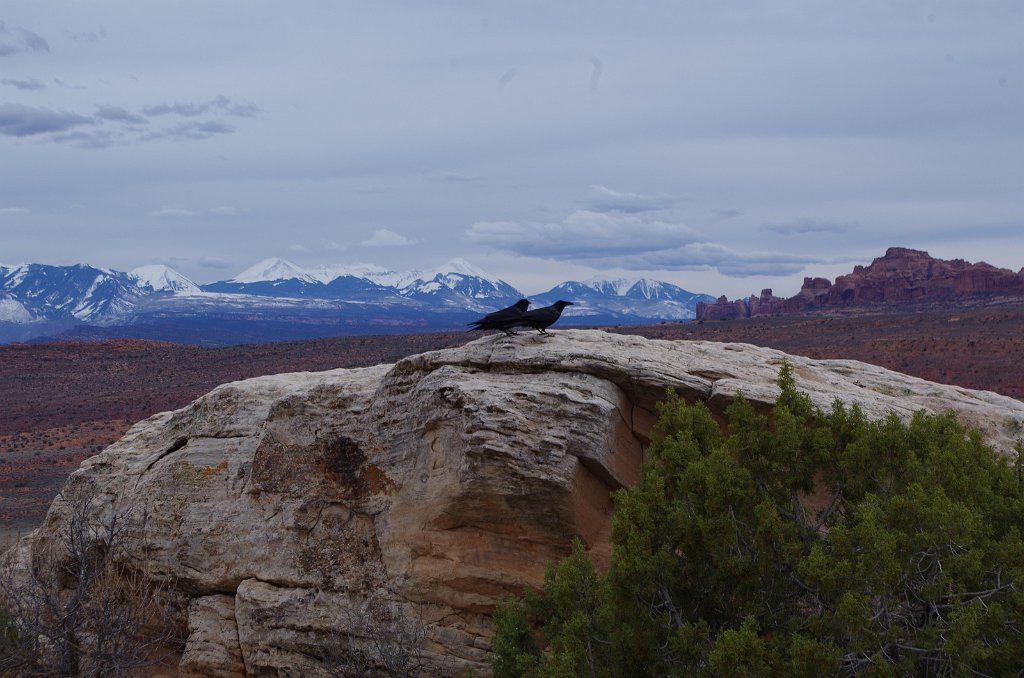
x=310, y=515
x=902, y=276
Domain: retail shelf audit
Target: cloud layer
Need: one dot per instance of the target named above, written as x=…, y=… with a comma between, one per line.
x=606, y=199
x=14, y=39
x=632, y=242
x=111, y=125
x=26, y=85
x=386, y=238
x=583, y=235
x=17, y=120
x=708, y=144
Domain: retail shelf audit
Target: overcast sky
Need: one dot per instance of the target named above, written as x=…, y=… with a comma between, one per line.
x=721, y=145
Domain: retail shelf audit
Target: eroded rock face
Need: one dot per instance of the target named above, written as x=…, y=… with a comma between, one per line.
x=902, y=276
x=307, y=515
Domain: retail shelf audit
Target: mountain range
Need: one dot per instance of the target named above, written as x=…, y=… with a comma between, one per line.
x=276, y=299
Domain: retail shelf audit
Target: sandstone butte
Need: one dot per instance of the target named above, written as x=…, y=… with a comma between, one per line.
x=903, y=276
x=437, y=485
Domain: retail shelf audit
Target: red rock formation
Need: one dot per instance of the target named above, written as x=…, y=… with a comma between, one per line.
x=901, y=276
x=722, y=309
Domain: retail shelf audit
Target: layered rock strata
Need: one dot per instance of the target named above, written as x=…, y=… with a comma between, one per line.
x=305, y=516
x=902, y=276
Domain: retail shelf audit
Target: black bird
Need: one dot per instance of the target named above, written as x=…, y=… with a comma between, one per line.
x=503, y=320
x=542, y=318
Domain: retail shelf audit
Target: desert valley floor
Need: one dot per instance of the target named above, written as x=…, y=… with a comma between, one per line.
x=62, y=402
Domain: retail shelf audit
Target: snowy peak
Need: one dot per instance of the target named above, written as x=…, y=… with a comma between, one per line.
x=273, y=269
x=447, y=275
x=637, y=288
x=352, y=295
x=13, y=311
x=60, y=292
x=651, y=289
x=12, y=276
x=462, y=267
x=160, y=278
x=454, y=283
x=618, y=287
x=457, y=281
x=630, y=299
x=328, y=273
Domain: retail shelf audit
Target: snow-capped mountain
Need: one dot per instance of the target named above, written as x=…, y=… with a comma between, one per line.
x=78, y=292
x=277, y=299
x=160, y=278
x=270, y=270
x=640, y=288
x=629, y=299
x=457, y=284
x=272, y=277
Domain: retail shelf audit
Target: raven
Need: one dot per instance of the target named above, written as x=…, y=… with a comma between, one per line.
x=503, y=320
x=542, y=318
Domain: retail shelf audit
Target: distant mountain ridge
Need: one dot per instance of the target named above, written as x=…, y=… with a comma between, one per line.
x=291, y=301
x=642, y=297
x=77, y=292
x=902, y=276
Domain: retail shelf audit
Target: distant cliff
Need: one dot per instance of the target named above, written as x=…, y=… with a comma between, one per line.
x=282, y=507
x=902, y=276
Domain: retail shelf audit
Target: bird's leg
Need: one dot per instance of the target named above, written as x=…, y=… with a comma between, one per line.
x=543, y=331
x=509, y=333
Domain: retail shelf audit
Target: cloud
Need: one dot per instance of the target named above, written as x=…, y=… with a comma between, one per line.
x=582, y=235
x=191, y=130
x=214, y=262
x=17, y=120
x=113, y=125
x=219, y=104
x=200, y=130
x=89, y=138
x=109, y=126
x=336, y=247
x=724, y=215
x=185, y=213
x=806, y=226
x=86, y=36
x=14, y=40
x=28, y=85
x=385, y=238
x=118, y=114
x=452, y=177
x=297, y=248
x=727, y=261
x=187, y=110
x=631, y=242
x=174, y=213
x=14, y=210
x=609, y=200
x=61, y=83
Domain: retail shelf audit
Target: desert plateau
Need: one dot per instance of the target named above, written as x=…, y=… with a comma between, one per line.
x=64, y=402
